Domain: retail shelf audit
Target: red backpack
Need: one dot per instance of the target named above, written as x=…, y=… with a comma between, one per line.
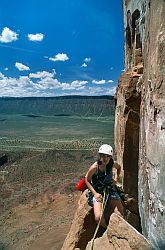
x=81, y=185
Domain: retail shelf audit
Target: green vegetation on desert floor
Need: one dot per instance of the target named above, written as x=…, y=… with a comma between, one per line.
x=52, y=132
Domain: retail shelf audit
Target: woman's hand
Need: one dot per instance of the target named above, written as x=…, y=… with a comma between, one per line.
x=98, y=197
x=114, y=182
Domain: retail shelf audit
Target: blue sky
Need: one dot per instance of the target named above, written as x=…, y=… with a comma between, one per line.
x=60, y=47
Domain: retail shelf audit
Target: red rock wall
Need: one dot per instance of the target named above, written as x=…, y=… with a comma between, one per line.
x=140, y=115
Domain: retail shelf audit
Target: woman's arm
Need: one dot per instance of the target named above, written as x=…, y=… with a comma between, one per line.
x=88, y=177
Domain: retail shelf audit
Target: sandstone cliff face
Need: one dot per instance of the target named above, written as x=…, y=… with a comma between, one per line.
x=119, y=234
x=140, y=115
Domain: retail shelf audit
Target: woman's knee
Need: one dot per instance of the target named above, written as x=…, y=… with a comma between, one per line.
x=97, y=211
x=97, y=217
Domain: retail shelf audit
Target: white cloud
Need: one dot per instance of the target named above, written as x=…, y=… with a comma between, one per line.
x=110, y=81
x=1, y=75
x=95, y=91
x=24, y=82
x=21, y=67
x=66, y=86
x=75, y=85
x=89, y=91
x=48, y=83
x=99, y=82
x=36, y=37
x=44, y=84
x=87, y=59
x=6, y=69
x=78, y=83
x=24, y=86
x=21, y=86
x=84, y=65
x=59, y=57
x=42, y=74
x=111, y=91
x=8, y=36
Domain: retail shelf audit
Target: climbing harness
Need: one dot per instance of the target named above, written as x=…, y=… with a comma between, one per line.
x=103, y=209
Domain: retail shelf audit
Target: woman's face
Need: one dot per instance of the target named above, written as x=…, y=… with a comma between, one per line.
x=105, y=158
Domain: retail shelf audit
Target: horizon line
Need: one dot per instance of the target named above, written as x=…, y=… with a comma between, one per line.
x=21, y=97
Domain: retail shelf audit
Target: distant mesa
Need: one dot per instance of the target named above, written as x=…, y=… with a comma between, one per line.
x=58, y=106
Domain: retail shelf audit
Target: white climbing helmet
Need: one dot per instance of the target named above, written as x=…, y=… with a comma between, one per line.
x=106, y=149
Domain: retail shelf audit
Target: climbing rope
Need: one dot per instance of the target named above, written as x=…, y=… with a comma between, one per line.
x=103, y=209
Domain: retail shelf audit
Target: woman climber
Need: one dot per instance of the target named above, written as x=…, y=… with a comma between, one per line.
x=99, y=181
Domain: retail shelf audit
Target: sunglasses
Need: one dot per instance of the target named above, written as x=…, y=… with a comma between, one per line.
x=105, y=155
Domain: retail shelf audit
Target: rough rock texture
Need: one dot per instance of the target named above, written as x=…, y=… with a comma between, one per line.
x=119, y=234
x=140, y=115
x=123, y=236
x=127, y=135
x=82, y=228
